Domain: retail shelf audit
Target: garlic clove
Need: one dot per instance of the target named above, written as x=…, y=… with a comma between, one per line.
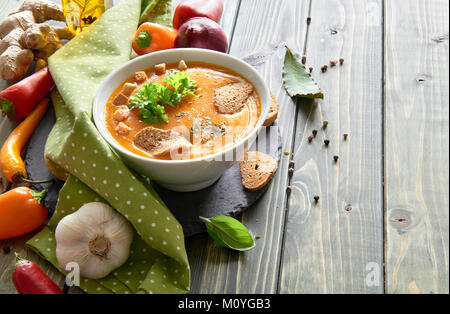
x=95, y=237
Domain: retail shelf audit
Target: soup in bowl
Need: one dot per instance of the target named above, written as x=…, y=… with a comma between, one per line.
x=182, y=117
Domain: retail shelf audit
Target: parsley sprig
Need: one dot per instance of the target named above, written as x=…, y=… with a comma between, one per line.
x=152, y=97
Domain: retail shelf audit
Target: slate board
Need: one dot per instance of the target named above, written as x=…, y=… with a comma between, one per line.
x=226, y=197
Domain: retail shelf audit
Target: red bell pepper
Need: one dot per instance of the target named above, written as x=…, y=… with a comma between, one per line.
x=29, y=278
x=18, y=100
x=187, y=9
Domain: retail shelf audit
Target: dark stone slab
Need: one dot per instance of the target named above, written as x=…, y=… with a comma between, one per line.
x=226, y=197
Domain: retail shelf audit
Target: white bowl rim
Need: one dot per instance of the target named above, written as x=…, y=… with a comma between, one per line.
x=97, y=119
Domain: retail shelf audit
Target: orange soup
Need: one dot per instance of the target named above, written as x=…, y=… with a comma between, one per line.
x=197, y=117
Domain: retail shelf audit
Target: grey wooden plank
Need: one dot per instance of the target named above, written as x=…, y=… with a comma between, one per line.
x=262, y=29
x=416, y=146
x=328, y=245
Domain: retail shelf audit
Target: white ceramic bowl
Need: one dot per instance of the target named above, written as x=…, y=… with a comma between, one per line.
x=180, y=175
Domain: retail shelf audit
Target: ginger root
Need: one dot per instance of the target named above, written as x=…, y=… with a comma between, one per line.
x=24, y=37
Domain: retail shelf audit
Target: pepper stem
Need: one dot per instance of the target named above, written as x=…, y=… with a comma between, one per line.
x=24, y=180
x=39, y=196
x=19, y=260
x=7, y=107
x=20, y=177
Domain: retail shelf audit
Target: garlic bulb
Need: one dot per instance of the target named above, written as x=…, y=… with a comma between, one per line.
x=96, y=237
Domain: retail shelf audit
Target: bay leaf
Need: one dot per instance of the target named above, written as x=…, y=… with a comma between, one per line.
x=297, y=80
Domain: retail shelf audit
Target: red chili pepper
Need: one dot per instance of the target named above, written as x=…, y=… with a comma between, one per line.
x=18, y=100
x=28, y=278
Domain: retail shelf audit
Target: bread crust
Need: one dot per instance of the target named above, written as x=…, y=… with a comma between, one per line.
x=257, y=170
x=273, y=113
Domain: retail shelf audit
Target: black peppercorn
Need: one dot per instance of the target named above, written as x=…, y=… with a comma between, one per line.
x=326, y=142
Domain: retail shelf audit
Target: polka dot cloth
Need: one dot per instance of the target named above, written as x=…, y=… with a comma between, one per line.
x=76, y=152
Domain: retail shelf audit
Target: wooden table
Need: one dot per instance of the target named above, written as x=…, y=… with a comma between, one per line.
x=382, y=222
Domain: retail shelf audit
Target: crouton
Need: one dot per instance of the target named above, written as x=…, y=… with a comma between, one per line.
x=273, y=113
x=122, y=129
x=128, y=89
x=161, y=142
x=257, y=170
x=120, y=100
x=140, y=77
x=230, y=99
x=121, y=114
x=182, y=66
x=160, y=69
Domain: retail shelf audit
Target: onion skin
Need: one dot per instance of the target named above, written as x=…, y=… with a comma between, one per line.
x=188, y=9
x=201, y=32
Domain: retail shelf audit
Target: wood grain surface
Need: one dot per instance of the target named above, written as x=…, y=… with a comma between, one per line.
x=416, y=146
x=328, y=244
x=262, y=29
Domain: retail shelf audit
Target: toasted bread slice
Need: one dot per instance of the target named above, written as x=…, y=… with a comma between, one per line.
x=230, y=99
x=161, y=142
x=273, y=113
x=257, y=170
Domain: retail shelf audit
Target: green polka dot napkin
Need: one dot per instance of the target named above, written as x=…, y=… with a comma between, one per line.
x=76, y=153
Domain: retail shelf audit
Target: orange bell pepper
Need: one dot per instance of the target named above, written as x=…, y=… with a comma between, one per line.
x=21, y=211
x=151, y=37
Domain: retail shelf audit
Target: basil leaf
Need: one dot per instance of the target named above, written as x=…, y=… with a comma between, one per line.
x=229, y=233
x=298, y=82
